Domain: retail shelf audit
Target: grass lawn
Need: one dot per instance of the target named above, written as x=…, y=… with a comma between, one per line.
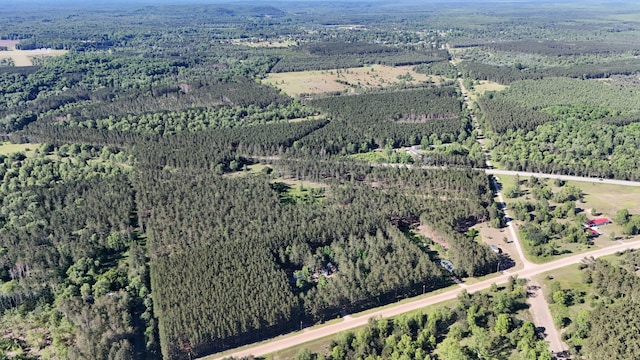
x=323, y=81
x=569, y=277
x=608, y=198
x=7, y=148
x=484, y=86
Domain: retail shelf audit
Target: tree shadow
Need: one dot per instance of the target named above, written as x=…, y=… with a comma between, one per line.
x=506, y=262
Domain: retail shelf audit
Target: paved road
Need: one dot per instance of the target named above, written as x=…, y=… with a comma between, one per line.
x=525, y=174
x=352, y=322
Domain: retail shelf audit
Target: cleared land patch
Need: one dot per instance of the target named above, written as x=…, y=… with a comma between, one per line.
x=7, y=148
x=9, y=44
x=25, y=57
x=339, y=80
x=484, y=86
x=608, y=198
x=259, y=43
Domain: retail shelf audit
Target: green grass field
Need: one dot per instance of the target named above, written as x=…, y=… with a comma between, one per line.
x=484, y=86
x=7, y=148
x=609, y=199
x=323, y=81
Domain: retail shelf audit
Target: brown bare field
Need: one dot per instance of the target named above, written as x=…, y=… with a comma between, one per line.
x=9, y=44
x=493, y=236
x=24, y=57
x=429, y=233
x=324, y=81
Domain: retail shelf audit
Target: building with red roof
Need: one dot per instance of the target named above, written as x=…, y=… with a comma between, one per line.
x=599, y=222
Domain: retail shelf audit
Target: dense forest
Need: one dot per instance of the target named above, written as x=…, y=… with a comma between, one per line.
x=565, y=126
x=364, y=122
x=158, y=199
x=281, y=247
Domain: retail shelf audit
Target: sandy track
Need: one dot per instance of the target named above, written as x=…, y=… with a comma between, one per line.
x=542, y=317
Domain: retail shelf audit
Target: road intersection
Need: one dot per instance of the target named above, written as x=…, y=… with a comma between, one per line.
x=527, y=271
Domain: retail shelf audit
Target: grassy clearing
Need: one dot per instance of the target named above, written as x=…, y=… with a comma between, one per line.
x=486, y=85
x=608, y=198
x=569, y=277
x=340, y=80
x=598, y=195
x=396, y=156
x=25, y=57
x=371, y=156
x=569, y=249
x=7, y=148
x=295, y=191
x=311, y=117
x=249, y=170
x=482, y=87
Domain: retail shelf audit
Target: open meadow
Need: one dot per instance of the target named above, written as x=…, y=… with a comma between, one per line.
x=25, y=57
x=482, y=86
x=340, y=80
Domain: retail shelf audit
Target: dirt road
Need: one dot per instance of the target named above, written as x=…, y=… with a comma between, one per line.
x=352, y=322
x=542, y=317
x=512, y=231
